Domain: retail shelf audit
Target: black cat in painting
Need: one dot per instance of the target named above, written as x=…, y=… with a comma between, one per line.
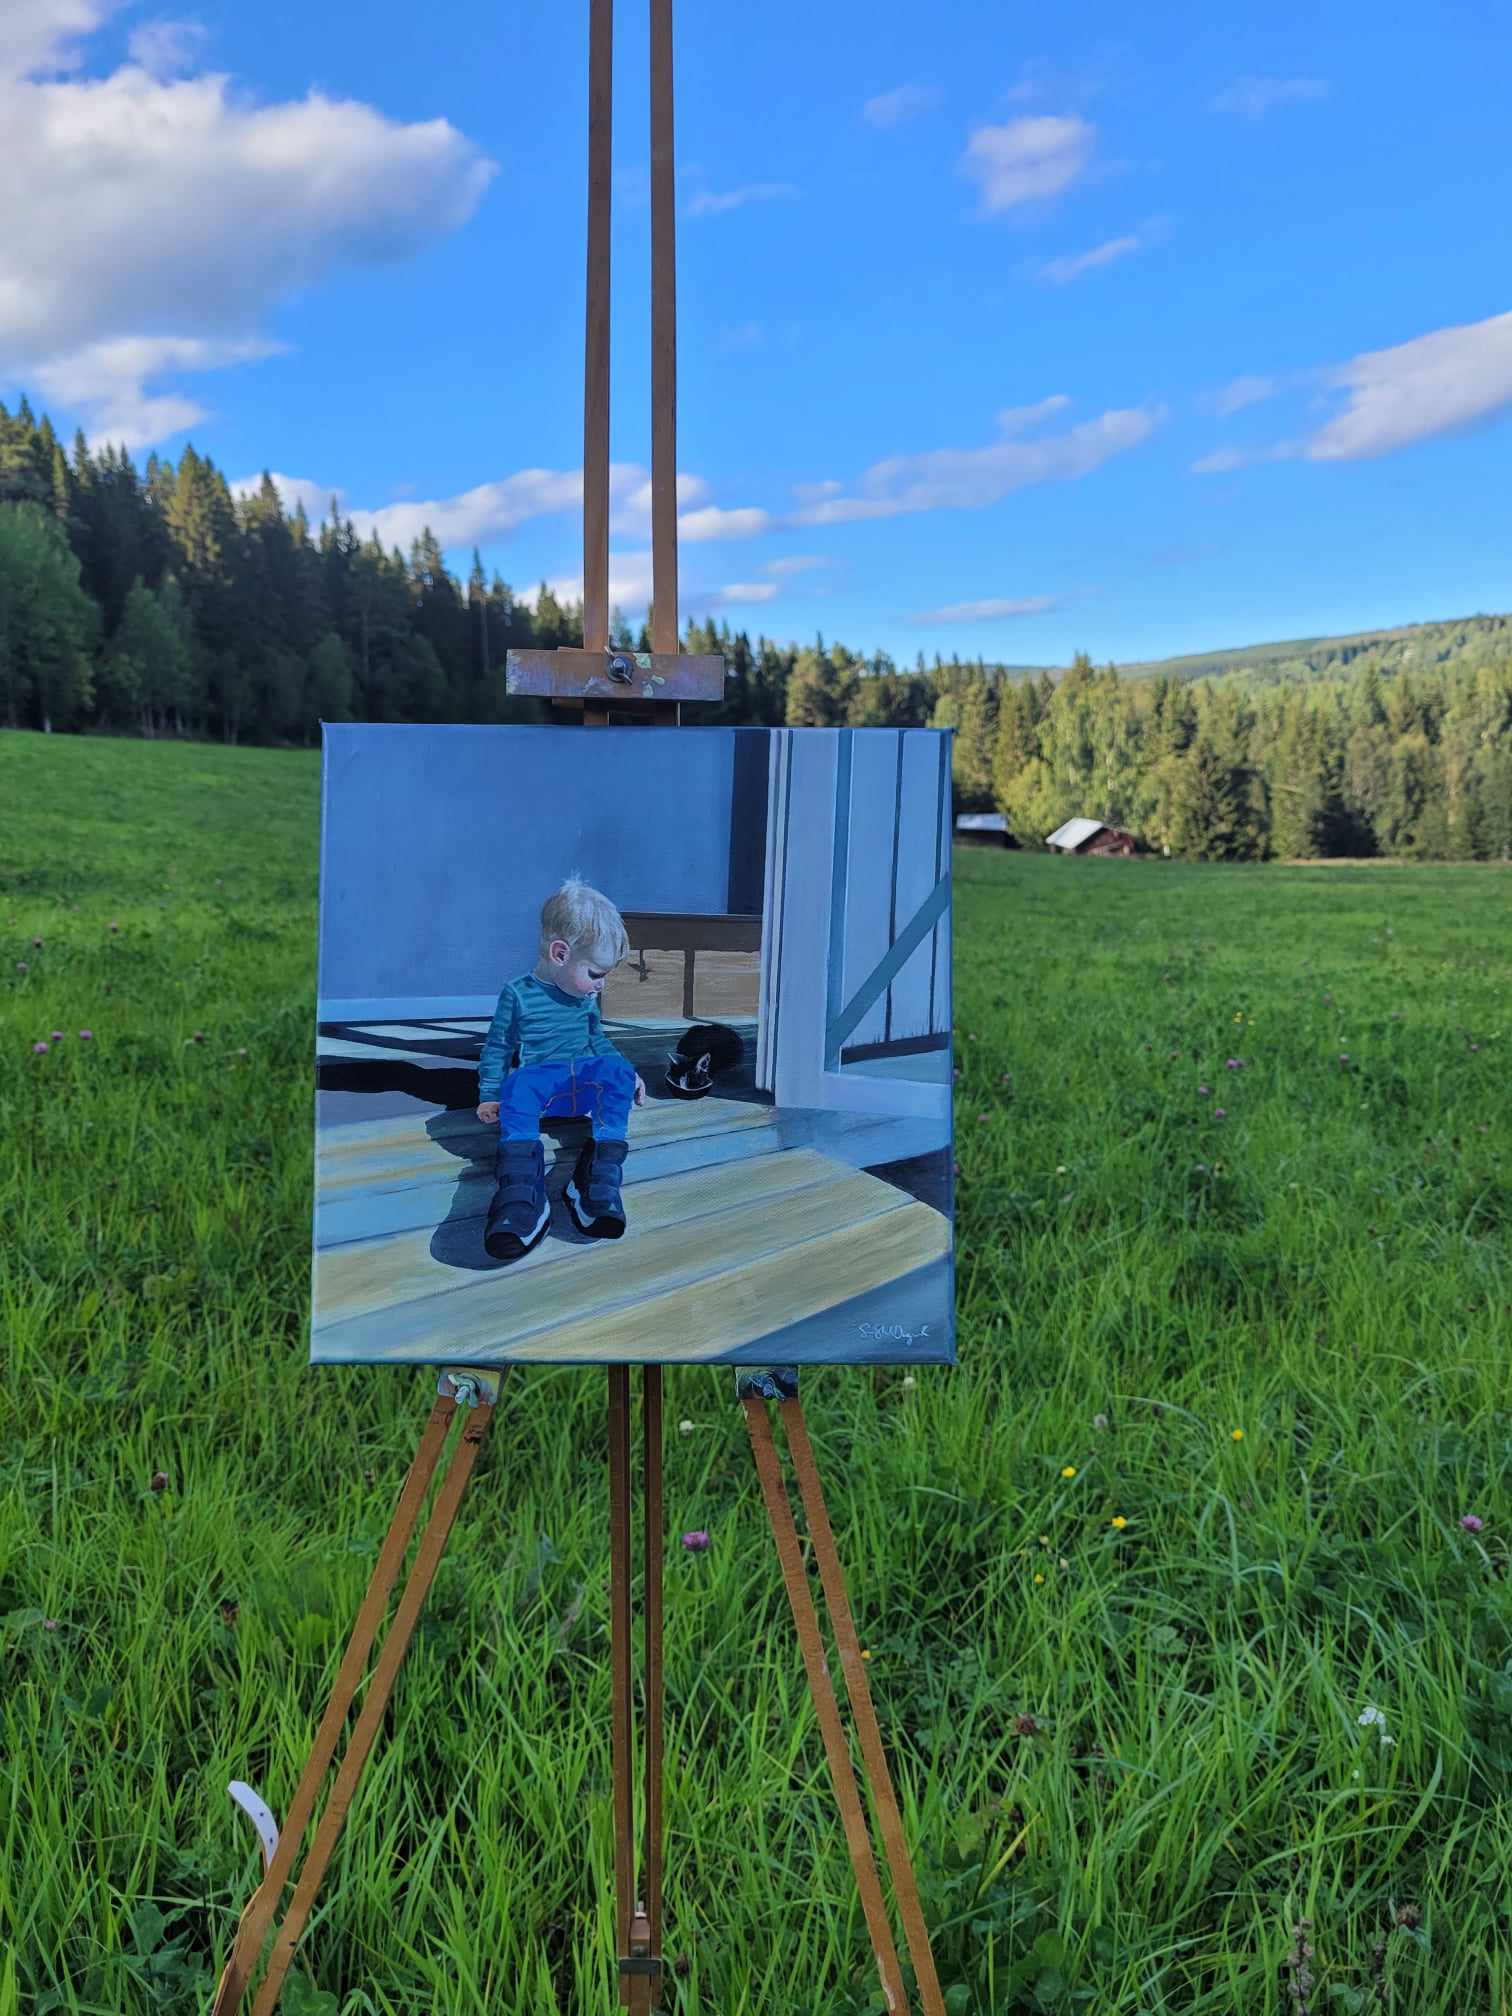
x=702, y=1053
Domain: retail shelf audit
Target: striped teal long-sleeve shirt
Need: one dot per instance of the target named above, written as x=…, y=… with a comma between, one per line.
x=543, y=1022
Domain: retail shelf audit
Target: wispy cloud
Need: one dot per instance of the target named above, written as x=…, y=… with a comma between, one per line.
x=166, y=48
x=1071, y=265
x=969, y=478
x=108, y=383
x=741, y=336
x=1027, y=160
x=1445, y=382
x=630, y=584
x=714, y=204
x=991, y=609
x=795, y=563
x=1253, y=97
x=1040, y=82
x=901, y=107
x=490, y=511
x=1249, y=390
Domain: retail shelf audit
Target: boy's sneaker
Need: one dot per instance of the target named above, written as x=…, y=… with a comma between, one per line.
x=520, y=1211
x=593, y=1189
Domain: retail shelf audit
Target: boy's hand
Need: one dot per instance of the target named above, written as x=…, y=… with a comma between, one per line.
x=488, y=1112
x=640, y=1090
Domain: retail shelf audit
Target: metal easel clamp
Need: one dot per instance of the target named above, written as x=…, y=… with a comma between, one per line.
x=476, y=1387
x=767, y=1382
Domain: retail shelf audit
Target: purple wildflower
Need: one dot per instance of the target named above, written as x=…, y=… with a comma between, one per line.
x=1471, y=1524
x=38, y=1049
x=695, y=1542
x=86, y=1035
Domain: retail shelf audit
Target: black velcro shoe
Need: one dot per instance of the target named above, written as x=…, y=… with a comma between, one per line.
x=520, y=1211
x=593, y=1189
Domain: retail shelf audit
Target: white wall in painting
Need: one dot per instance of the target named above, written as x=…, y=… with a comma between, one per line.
x=858, y=833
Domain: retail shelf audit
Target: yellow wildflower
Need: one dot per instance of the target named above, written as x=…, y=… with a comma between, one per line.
x=1119, y=1521
x=1039, y=1578
x=1237, y=1436
x=1069, y=1471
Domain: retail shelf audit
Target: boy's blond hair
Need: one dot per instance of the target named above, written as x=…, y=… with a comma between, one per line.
x=587, y=920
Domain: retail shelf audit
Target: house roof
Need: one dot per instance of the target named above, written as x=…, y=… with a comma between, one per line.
x=1074, y=832
x=980, y=822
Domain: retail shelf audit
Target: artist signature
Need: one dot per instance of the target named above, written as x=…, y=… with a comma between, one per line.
x=893, y=1333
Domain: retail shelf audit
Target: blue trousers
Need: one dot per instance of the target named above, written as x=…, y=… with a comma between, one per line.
x=599, y=1089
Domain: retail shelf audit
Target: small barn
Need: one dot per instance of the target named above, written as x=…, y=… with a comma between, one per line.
x=988, y=829
x=1091, y=836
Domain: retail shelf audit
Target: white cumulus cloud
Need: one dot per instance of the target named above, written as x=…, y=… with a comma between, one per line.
x=1027, y=160
x=172, y=214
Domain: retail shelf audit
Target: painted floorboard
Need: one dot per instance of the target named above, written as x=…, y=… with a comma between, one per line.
x=375, y=1274
x=818, y=1265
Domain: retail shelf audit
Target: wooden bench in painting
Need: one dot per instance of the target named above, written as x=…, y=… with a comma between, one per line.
x=691, y=932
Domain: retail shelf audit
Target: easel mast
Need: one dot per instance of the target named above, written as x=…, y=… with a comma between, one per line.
x=647, y=687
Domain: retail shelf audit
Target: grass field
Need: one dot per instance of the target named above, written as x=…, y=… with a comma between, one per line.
x=1177, y=1633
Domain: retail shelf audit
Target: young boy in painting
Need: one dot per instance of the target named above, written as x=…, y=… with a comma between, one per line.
x=568, y=1068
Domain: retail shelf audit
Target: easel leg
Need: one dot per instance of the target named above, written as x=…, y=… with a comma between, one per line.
x=837, y=1749
x=637, y=1920
x=853, y=1667
x=259, y=1913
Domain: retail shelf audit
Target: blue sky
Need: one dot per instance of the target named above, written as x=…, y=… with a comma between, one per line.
x=1016, y=337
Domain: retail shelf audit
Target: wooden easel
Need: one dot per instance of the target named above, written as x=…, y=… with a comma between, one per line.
x=649, y=687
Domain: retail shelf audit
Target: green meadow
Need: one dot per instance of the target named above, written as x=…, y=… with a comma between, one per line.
x=1185, y=1591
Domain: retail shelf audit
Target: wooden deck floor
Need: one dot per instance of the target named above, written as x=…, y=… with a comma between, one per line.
x=733, y=1237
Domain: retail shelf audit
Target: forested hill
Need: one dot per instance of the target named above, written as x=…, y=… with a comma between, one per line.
x=155, y=602
x=1465, y=640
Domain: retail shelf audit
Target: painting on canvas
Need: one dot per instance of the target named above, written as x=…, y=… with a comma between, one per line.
x=633, y=1047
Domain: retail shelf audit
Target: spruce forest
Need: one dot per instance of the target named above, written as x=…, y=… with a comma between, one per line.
x=158, y=603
